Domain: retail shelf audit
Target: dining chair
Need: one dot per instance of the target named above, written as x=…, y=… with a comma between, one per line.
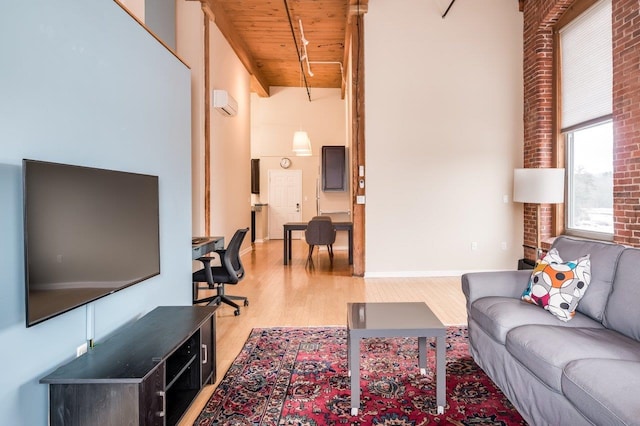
x=320, y=232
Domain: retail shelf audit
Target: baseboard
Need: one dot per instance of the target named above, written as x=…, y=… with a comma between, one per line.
x=412, y=274
x=422, y=274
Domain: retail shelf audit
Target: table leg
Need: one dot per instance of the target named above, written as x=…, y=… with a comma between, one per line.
x=354, y=371
x=286, y=242
x=348, y=355
x=285, y=257
x=422, y=355
x=441, y=374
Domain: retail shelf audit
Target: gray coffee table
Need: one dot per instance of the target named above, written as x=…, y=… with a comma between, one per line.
x=410, y=319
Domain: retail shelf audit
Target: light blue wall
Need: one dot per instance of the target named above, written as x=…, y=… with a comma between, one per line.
x=82, y=83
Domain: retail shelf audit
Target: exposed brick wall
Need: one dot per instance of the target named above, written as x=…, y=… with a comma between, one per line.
x=626, y=121
x=539, y=18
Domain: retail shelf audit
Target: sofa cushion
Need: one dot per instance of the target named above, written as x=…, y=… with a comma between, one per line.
x=604, y=260
x=558, y=286
x=623, y=307
x=498, y=315
x=546, y=350
x=604, y=390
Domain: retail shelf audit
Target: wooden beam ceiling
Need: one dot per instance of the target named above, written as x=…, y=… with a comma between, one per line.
x=217, y=14
x=260, y=34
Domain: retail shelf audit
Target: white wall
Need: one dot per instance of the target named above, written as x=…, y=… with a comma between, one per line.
x=443, y=135
x=273, y=122
x=83, y=83
x=230, y=143
x=230, y=136
x=190, y=47
x=136, y=7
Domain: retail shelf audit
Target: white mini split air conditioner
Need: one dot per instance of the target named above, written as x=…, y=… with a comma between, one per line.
x=224, y=103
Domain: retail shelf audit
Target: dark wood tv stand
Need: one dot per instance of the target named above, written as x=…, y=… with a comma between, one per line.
x=147, y=373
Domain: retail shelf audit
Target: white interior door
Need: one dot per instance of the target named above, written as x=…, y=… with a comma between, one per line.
x=285, y=200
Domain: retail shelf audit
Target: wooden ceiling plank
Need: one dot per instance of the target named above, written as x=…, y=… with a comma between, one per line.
x=262, y=31
x=261, y=84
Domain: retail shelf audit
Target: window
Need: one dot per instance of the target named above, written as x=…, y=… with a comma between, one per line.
x=590, y=179
x=586, y=86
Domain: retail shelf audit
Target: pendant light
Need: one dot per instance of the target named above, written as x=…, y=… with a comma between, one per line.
x=301, y=141
x=301, y=144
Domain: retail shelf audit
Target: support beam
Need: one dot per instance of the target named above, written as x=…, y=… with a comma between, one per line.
x=207, y=129
x=358, y=142
x=356, y=8
x=258, y=82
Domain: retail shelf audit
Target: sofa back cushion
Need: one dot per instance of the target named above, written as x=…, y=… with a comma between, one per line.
x=604, y=260
x=623, y=307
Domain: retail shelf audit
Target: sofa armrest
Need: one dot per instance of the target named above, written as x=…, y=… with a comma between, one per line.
x=499, y=283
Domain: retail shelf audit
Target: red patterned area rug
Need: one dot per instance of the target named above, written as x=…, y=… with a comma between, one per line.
x=298, y=376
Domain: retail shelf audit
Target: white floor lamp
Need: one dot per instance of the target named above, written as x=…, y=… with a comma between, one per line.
x=538, y=186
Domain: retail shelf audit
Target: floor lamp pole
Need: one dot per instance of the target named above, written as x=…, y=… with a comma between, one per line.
x=538, y=248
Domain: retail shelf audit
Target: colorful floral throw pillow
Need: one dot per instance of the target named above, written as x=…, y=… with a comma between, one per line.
x=558, y=286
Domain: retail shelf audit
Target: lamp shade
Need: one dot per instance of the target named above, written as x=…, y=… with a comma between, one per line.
x=301, y=144
x=538, y=186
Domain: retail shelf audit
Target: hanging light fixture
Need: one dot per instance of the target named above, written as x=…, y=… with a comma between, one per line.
x=301, y=142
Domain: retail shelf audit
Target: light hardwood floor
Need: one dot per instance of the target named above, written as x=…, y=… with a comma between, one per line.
x=295, y=295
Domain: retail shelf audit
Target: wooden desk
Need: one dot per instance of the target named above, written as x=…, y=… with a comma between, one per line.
x=203, y=245
x=289, y=227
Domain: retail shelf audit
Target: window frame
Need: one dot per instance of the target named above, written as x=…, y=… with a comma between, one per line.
x=567, y=135
x=561, y=152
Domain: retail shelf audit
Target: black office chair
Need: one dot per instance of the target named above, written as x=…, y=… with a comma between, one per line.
x=320, y=232
x=231, y=271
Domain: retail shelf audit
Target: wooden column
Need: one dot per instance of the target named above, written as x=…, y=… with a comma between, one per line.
x=207, y=122
x=358, y=141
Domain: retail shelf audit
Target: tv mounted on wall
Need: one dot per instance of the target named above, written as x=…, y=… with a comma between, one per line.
x=87, y=233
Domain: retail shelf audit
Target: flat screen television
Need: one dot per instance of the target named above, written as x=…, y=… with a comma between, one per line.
x=87, y=233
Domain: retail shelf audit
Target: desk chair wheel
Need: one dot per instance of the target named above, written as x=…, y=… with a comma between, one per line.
x=246, y=303
x=236, y=312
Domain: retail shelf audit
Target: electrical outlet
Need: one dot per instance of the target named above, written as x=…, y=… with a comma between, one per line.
x=503, y=245
x=82, y=349
x=474, y=245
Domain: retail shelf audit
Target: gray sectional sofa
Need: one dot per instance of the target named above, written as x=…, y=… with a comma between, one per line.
x=580, y=372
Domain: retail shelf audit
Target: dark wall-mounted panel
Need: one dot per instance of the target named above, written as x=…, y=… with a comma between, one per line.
x=334, y=168
x=255, y=175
